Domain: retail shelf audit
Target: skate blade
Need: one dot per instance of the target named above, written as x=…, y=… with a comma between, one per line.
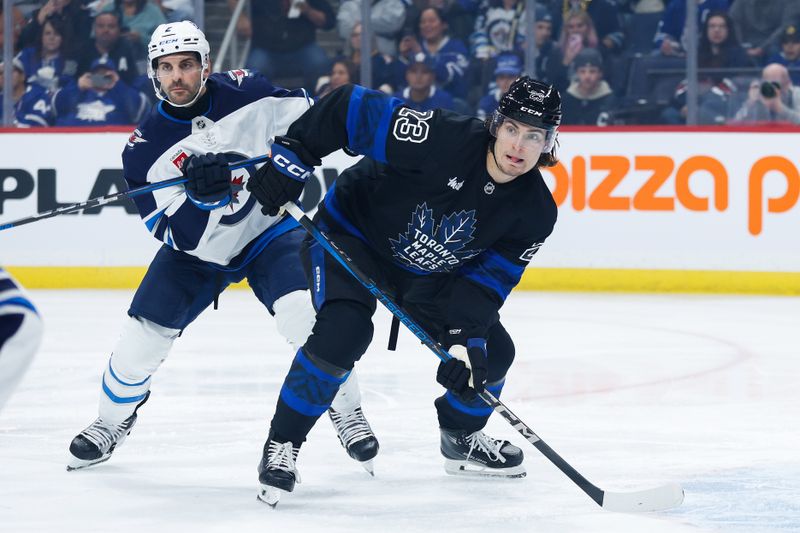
x=269, y=495
x=80, y=464
x=465, y=468
x=369, y=467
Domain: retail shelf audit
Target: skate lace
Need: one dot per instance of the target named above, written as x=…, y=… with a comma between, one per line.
x=102, y=435
x=282, y=456
x=352, y=427
x=486, y=444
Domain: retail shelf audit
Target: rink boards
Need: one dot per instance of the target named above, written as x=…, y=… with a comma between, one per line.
x=703, y=210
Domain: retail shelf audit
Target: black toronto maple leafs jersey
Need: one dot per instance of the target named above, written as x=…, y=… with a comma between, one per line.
x=423, y=199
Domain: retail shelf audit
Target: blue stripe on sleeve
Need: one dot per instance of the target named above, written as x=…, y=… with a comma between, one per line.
x=20, y=301
x=494, y=271
x=369, y=117
x=154, y=220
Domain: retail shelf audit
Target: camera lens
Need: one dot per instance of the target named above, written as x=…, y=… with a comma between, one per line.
x=768, y=89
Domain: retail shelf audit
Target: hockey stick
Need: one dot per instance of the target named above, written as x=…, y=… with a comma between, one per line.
x=656, y=499
x=103, y=200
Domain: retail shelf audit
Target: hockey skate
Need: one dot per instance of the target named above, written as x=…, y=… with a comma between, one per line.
x=277, y=470
x=477, y=454
x=96, y=443
x=356, y=436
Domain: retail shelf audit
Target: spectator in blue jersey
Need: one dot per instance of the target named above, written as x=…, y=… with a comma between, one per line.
x=99, y=98
x=449, y=55
x=72, y=14
x=789, y=56
x=46, y=63
x=31, y=102
x=509, y=67
x=422, y=94
x=669, y=36
x=283, y=37
x=108, y=42
x=138, y=18
x=589, y=100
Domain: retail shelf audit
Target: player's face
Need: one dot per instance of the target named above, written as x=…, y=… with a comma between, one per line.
x=180, y=76
x=516, y=150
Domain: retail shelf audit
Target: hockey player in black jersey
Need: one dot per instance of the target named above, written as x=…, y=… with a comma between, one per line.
x=444, y=212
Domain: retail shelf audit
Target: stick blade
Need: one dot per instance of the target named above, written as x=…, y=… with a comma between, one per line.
x=657, y=499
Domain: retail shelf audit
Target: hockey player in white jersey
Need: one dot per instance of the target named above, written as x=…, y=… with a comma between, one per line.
x=213, y=232
x=20, y=334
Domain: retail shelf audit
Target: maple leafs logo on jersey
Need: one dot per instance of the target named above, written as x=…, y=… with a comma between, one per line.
x=436, y=248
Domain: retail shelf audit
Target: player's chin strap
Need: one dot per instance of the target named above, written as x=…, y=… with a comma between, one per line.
x=164, y=97
x=656, y=499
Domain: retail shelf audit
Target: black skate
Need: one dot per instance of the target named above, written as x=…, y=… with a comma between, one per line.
x=477, y=454
x=277, y=471
x=356, y=436
x=96, y=443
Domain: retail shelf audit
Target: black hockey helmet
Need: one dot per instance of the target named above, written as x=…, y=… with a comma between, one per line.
x=531, y=102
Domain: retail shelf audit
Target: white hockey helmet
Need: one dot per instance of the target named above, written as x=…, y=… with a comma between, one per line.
x=175, y=38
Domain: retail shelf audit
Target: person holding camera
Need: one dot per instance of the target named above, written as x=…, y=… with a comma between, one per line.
x=99, y=97
x=772, y=99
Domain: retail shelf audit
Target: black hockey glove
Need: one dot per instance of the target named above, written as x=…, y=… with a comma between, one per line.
x=283, y=177
x=465, y=374
x=209, y=185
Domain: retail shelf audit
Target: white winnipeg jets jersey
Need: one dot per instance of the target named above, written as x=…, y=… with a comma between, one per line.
x=244, y=113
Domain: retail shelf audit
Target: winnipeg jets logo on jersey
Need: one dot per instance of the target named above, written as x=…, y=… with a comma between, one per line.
x=436, y=248
x=238, y=75
x=136, y=137
x=455, y=184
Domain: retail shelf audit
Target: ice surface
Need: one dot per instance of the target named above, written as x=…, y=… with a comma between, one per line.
x=633, y=390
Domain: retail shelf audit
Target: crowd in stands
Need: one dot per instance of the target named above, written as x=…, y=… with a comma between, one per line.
x=83, y=62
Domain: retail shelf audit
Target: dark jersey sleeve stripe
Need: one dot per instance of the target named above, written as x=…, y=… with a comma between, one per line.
x=494, y=271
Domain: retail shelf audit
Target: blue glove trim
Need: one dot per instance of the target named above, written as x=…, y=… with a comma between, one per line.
x=209, y=206
x=287, y=163
x=477, y=342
